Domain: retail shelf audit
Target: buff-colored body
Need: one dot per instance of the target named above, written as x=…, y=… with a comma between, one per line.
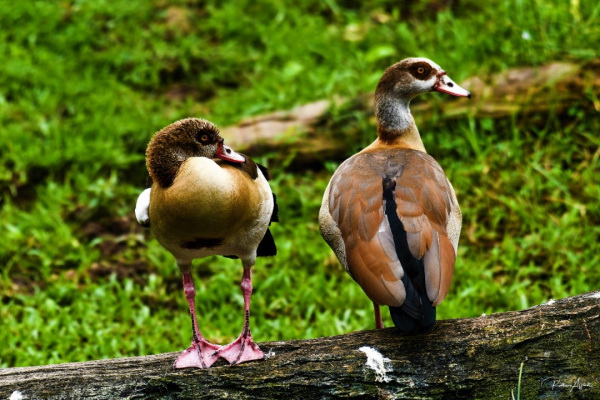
x=211, y=200
x=205, y=200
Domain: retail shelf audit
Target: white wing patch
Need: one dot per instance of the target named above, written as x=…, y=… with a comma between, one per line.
x=142, y=207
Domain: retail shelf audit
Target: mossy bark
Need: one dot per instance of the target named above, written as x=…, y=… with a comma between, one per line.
x=475, y=358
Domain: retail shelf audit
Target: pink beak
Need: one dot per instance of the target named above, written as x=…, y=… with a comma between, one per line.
x=226, y=153
x=446, y=85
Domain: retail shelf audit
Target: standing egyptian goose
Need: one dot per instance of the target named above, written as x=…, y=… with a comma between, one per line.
x=389, y=213
x=206, y=200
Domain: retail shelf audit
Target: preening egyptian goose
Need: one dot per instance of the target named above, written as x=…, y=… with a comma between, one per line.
x=206, y=200
x=389, y=213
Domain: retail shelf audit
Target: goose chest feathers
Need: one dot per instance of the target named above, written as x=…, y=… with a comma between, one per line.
x=389, y=213
x=204, y=205
x=205, y=200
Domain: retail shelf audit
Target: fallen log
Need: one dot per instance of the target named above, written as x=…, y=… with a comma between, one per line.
x=555, y=347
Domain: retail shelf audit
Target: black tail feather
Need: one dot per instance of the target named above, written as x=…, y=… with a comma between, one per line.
x=404, y=322
x=416, y=315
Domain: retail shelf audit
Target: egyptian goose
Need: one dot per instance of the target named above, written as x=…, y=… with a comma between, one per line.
x=389, y=213
x=205, y=200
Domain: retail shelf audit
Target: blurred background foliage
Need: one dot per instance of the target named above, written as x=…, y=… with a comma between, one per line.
x=84, y=84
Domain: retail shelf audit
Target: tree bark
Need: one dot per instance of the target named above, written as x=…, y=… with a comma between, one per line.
x=557, y=345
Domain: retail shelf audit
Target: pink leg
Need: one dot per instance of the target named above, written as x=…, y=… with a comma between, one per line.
x=243, y=348
x=378, y=320
x=201, y=353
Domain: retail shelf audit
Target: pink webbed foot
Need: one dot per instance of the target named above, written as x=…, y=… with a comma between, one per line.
x=241, y=350
x=200, y=354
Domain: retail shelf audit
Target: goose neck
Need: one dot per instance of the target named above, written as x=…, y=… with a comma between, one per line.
x=395, y=123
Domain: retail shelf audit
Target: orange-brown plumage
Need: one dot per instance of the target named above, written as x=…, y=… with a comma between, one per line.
x=389, y=212
x=422, y=206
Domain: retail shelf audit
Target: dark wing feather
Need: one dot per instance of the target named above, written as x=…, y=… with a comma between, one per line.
x=266, y=247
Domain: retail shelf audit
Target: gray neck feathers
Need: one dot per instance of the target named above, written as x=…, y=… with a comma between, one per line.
x=394, y=114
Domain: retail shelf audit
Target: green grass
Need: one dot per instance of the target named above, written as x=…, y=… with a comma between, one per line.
x=512, y=393
x=83, y=85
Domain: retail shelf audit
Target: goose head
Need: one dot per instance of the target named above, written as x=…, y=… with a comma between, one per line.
x=413, y=76
x=399, y=84
x=190, y=137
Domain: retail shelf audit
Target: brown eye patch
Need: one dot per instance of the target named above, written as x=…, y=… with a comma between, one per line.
x=205, y=136
x=421, y=70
